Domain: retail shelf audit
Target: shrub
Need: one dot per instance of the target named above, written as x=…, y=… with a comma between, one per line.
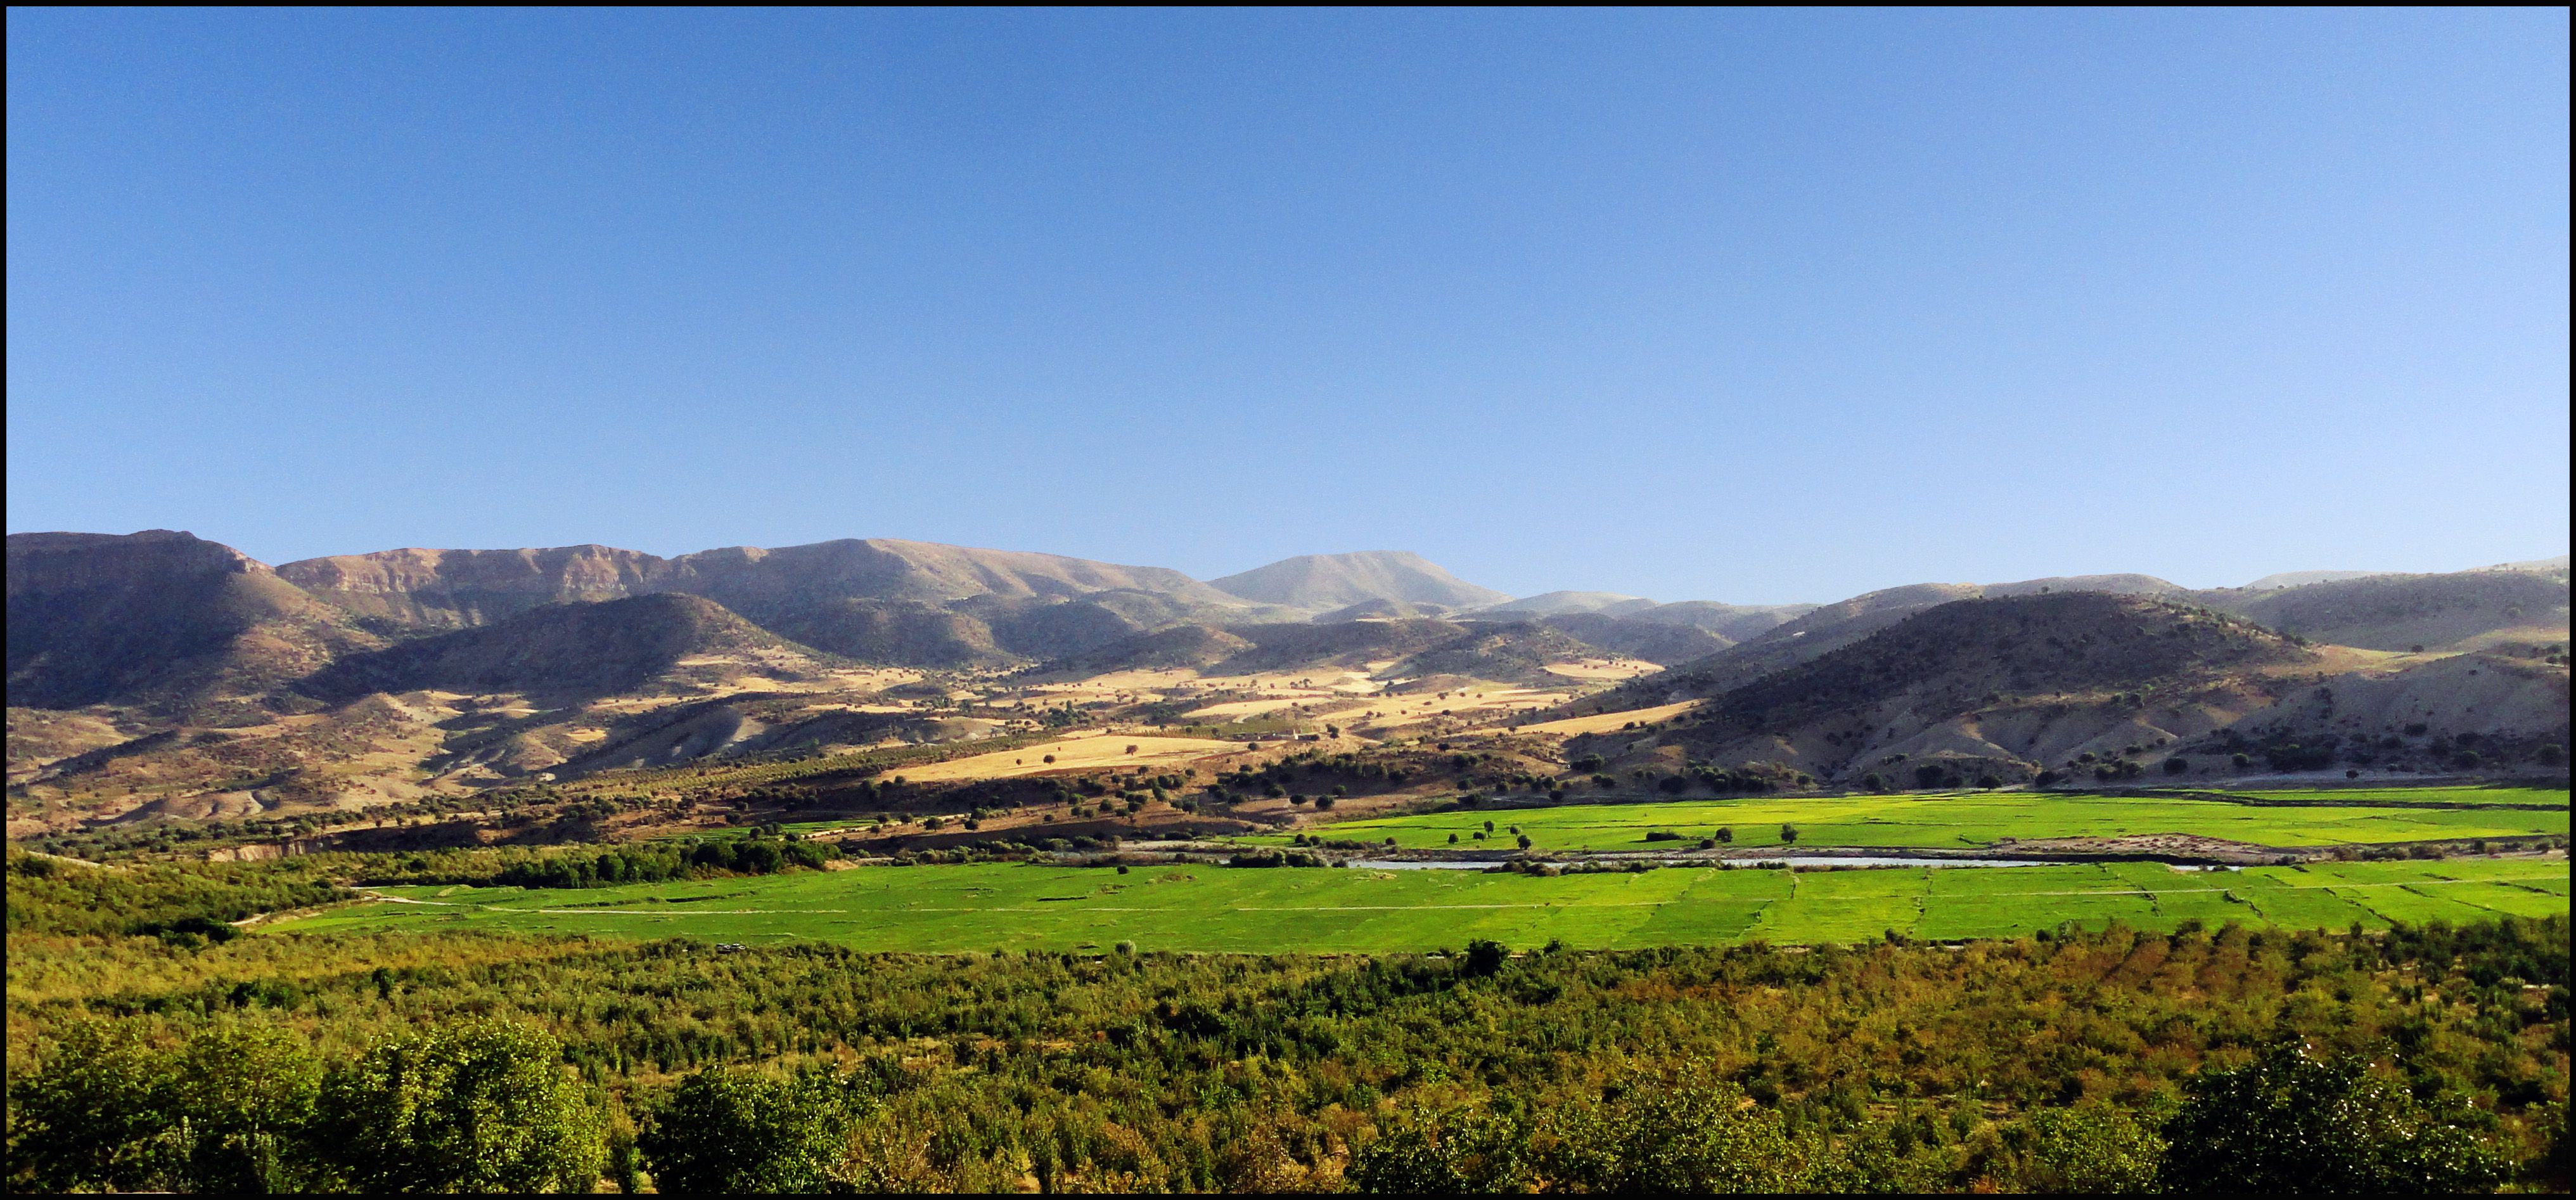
x=730, y=1130
x=1682, y=1134
x=2088, y=1150
x=2294, y=1121
x=481, y=1106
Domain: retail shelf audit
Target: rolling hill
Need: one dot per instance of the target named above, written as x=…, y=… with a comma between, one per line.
x=2400, y=612
x=1319, y=582
x=1552, y=604
x=808, y=585
x=1661, y=644
x=611, y=647
x=160, y=619
x=2004, y=685
x=1504, y=652
x=1349, y=644
x=161, y=675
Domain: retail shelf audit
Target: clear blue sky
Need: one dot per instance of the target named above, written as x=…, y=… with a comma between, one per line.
x=1741, y=306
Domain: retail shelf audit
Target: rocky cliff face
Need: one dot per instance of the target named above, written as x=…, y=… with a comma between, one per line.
x=42, y=564
x=450, y=589
x=158, y=618
x=445, y=589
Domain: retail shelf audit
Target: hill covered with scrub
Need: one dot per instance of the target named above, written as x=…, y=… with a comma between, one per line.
x=159, y=676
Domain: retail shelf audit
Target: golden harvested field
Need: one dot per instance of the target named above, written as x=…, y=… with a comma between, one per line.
x=1606, y=722
x=1232, y=709
x=1612, y=670
x=1478, y=701
x=1092, y=751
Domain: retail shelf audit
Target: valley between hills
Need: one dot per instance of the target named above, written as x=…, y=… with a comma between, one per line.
x=885, y=866
x=166, y=691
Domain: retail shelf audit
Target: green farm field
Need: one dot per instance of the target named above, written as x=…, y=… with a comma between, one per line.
x=1975, y=820
x=1001, y=906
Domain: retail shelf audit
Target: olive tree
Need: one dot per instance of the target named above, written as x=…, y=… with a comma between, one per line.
x=479, y=1107
x=733, y=1130
x=2295, y=1121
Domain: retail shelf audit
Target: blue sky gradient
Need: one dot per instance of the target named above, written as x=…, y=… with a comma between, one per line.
x=1752, y=306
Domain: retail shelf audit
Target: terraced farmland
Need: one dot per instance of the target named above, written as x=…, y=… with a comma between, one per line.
x=1217, y=909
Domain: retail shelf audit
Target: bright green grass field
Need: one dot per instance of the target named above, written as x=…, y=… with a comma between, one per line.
x=1970, y=820
x=1003, y=906
x=2422, y=795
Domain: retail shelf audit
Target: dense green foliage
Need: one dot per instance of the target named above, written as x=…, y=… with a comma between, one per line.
x=462, y=1042
x=2292, y=1122
x=476, y=1106
x=470, y=1106
x=2046, y=1062
x=193, y=903
x=660, y=863
x=727, y=1130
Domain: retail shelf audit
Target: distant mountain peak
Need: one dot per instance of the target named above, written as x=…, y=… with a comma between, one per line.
x=2291, y=579
x=1554, y=604
x=1333, y=581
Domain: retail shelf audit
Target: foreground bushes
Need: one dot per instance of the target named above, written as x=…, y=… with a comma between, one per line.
x=2431, y=1057
x=479, y=1106
x=489, y=1107
x=191, y=904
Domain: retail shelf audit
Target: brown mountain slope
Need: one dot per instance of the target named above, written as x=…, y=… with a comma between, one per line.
x=457, y=588
x=904, y=632
x=1660, y=644
x=2397, y=612
x=2003, y=685
x=1513, y=652
x=1819, y=631
x=1326, y=581
x=161, y=619
x=1816, y=630
x=750, y=580
x=1567, y=603
x=1281, y=647
x=1733, y=622
x=636, y=645
x=2501, y=702
x=1382, y=610
x=1179, y=646
x=453, y=589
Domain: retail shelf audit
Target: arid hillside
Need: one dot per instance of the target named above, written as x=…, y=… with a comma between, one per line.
x=613, y=647
x=2011, y=683
x=1506, y=652
x=1661, y=644
x=161, y=620
x=2405, y=612
x=1553, y=604
x=1277, y=647
x=454, y=588
x=160, y=677
x=1318, y=582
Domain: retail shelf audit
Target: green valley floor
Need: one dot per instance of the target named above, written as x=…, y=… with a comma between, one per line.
x=1003, y=906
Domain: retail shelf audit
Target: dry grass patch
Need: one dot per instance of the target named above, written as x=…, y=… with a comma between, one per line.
x=1606, y=722
x=1100, y=750
x=1599, y=670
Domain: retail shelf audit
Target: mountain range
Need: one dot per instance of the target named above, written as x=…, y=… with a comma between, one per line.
x=145, y=652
